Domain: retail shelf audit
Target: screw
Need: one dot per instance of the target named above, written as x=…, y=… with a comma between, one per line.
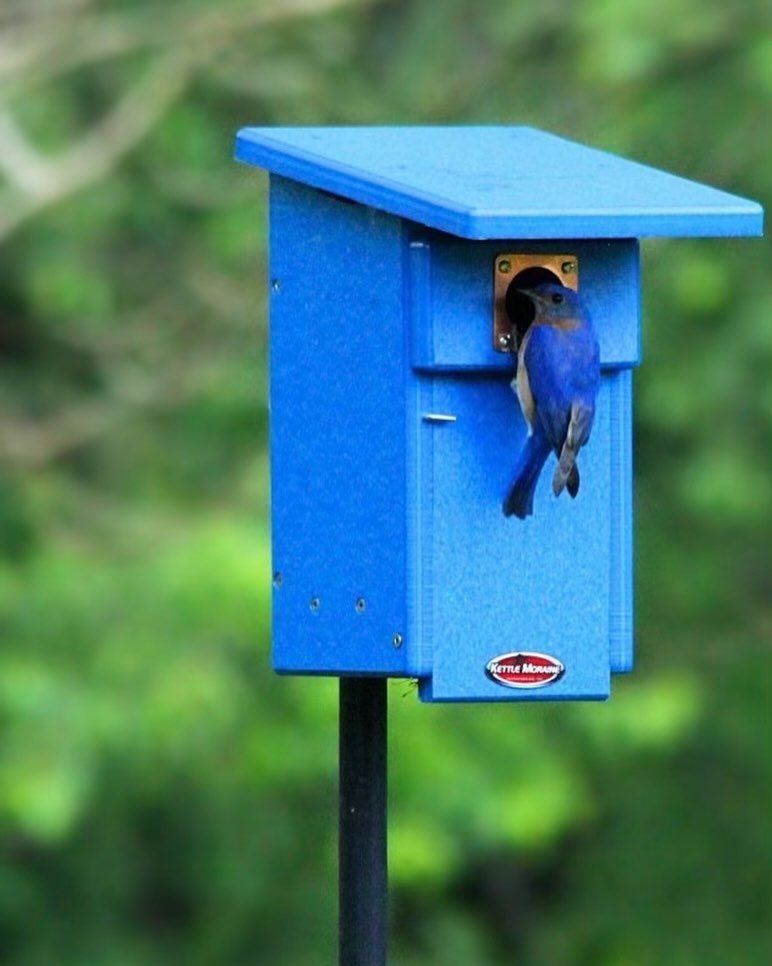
x=397, y=640
x=360, y=605
x=568, y=268
x=278, y=578
x=505, y=266
x=505, y=340
x=314, y=604
x=275, y=284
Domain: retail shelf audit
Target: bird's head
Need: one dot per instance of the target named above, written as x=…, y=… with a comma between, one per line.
x=554, y=302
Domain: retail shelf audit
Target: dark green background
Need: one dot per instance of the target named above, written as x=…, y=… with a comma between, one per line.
x=165, y=798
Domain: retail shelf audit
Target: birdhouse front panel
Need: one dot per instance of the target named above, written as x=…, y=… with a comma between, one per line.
x=559, y=582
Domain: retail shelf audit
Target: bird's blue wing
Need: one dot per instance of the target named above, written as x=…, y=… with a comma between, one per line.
x=562, y=370
x=544, y=366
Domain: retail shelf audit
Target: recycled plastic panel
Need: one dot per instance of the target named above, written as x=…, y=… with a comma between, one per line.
x=449, y=300
x=560, y=582
x=497, y=182
x=500, y=585
x=337, y=432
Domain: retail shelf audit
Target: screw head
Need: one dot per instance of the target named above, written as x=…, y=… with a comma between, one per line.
x=360, y=605
x=504, y=266
x=314, y=604
x=275, y=285
x=568, y=268
x=397, y=640
x=278, y=578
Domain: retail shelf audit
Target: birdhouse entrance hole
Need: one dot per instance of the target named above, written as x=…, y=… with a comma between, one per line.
x=512, y=311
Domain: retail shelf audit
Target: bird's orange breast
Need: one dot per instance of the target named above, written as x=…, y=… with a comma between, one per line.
x=523, y=386
x=563, y=325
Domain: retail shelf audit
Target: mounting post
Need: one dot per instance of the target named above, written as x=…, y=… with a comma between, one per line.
x=363, y=884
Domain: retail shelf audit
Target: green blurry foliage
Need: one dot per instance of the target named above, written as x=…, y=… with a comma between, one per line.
x=162, y=794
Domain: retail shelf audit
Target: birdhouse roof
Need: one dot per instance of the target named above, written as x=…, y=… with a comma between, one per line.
x=497, y=182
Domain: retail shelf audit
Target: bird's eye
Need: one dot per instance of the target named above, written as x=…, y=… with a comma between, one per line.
x=557, y=298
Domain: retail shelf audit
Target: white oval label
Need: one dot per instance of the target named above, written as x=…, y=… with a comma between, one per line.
x=524, y=669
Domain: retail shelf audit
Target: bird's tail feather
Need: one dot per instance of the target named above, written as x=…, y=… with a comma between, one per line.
x=566, y=472
x=572, y=483
x=519, y=499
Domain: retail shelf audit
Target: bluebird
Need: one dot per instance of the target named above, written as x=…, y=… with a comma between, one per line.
x=558, y=374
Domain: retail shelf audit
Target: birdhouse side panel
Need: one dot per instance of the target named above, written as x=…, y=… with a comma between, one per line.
x=337, y=427
x=620, y=389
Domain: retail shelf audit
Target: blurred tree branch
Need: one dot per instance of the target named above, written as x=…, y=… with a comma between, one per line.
x=27, y=443
x=45, y=39
x=41, y=182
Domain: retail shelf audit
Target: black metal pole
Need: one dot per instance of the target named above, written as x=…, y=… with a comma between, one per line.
x=363, y=885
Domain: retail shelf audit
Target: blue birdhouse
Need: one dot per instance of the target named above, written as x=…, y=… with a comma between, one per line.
x=398, y=256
